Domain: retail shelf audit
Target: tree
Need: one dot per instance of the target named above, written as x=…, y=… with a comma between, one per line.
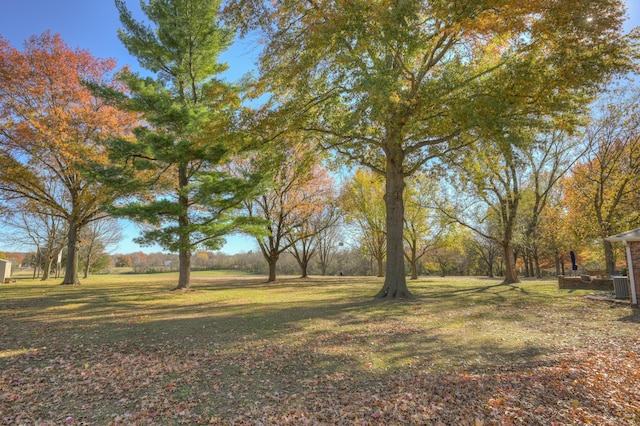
x=421, y=227
x=393, y=85
x=449, y=254
x=96, y=237
x=491, y=175
x=555, y=233
x=174, y=168
x=46, y=231
x=51, y=127
x=297, y=193
x=601, y=193
x=488, y=251
x=361, y=202
x=548, y=162
x=506, y=175
x=310, y=237
x=328, y=241
x=29, y=224
x=123, y=261
x=139, y=261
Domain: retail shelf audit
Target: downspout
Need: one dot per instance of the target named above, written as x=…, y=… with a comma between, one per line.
x=631, y=275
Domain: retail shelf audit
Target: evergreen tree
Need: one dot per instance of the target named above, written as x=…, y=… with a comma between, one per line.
x=174, y=166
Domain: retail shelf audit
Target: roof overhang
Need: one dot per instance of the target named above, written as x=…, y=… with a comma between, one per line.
x=633, y=235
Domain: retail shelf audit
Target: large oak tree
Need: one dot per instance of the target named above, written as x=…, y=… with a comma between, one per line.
x=392, y=84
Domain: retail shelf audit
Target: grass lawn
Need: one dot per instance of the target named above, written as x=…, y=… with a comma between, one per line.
x=124, y=349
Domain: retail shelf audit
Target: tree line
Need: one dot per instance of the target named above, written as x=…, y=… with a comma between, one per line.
x=454, y=116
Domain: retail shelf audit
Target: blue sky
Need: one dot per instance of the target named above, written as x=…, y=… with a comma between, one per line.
x=93, y=24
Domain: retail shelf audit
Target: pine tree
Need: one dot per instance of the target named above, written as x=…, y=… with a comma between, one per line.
x=174, y=168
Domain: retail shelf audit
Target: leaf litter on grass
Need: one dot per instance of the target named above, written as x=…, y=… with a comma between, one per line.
x=438, y=362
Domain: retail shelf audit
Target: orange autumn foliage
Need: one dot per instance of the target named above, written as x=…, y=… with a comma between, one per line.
x=52, y=128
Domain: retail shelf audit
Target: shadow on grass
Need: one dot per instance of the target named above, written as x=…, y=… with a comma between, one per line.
x=633, y=318
x=317, y=344
x=485, y=289
x=323, y=315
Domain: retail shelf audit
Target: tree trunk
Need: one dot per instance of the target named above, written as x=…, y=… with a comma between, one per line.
x=556, y=258
x=303, y=268
x=510, y=274
x=184, y=252
x=46, y=268
x=272, y=270
x=87, y=262
x=414, y=266
x=490, y=262
x=302, y=257
x=609, y=257
x=525, y=260
x=532, y=272
x=380, y=264
x=395, y=283
x=184, y=276
x=413, y=261
x=73, y=247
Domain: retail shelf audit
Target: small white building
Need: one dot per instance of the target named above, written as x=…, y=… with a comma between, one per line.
x=5, y=271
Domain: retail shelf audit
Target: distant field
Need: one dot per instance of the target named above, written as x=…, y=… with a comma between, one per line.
x=125, y=349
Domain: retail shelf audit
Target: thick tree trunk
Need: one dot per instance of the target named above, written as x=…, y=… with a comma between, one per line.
x=556, y=258
x=303, y=268
x=184, y=275
x=609, y=257
x=303, y=261
x=510, y=274
x=73, y=247
x=395, y=283
x=414, y=266
x=413, y=261
x=272, y=270
x=46, y=269
x=532, y=272
x=184, y=252
x=271, y=255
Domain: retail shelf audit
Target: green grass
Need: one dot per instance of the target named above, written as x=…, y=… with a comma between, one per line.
x=125, y=348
